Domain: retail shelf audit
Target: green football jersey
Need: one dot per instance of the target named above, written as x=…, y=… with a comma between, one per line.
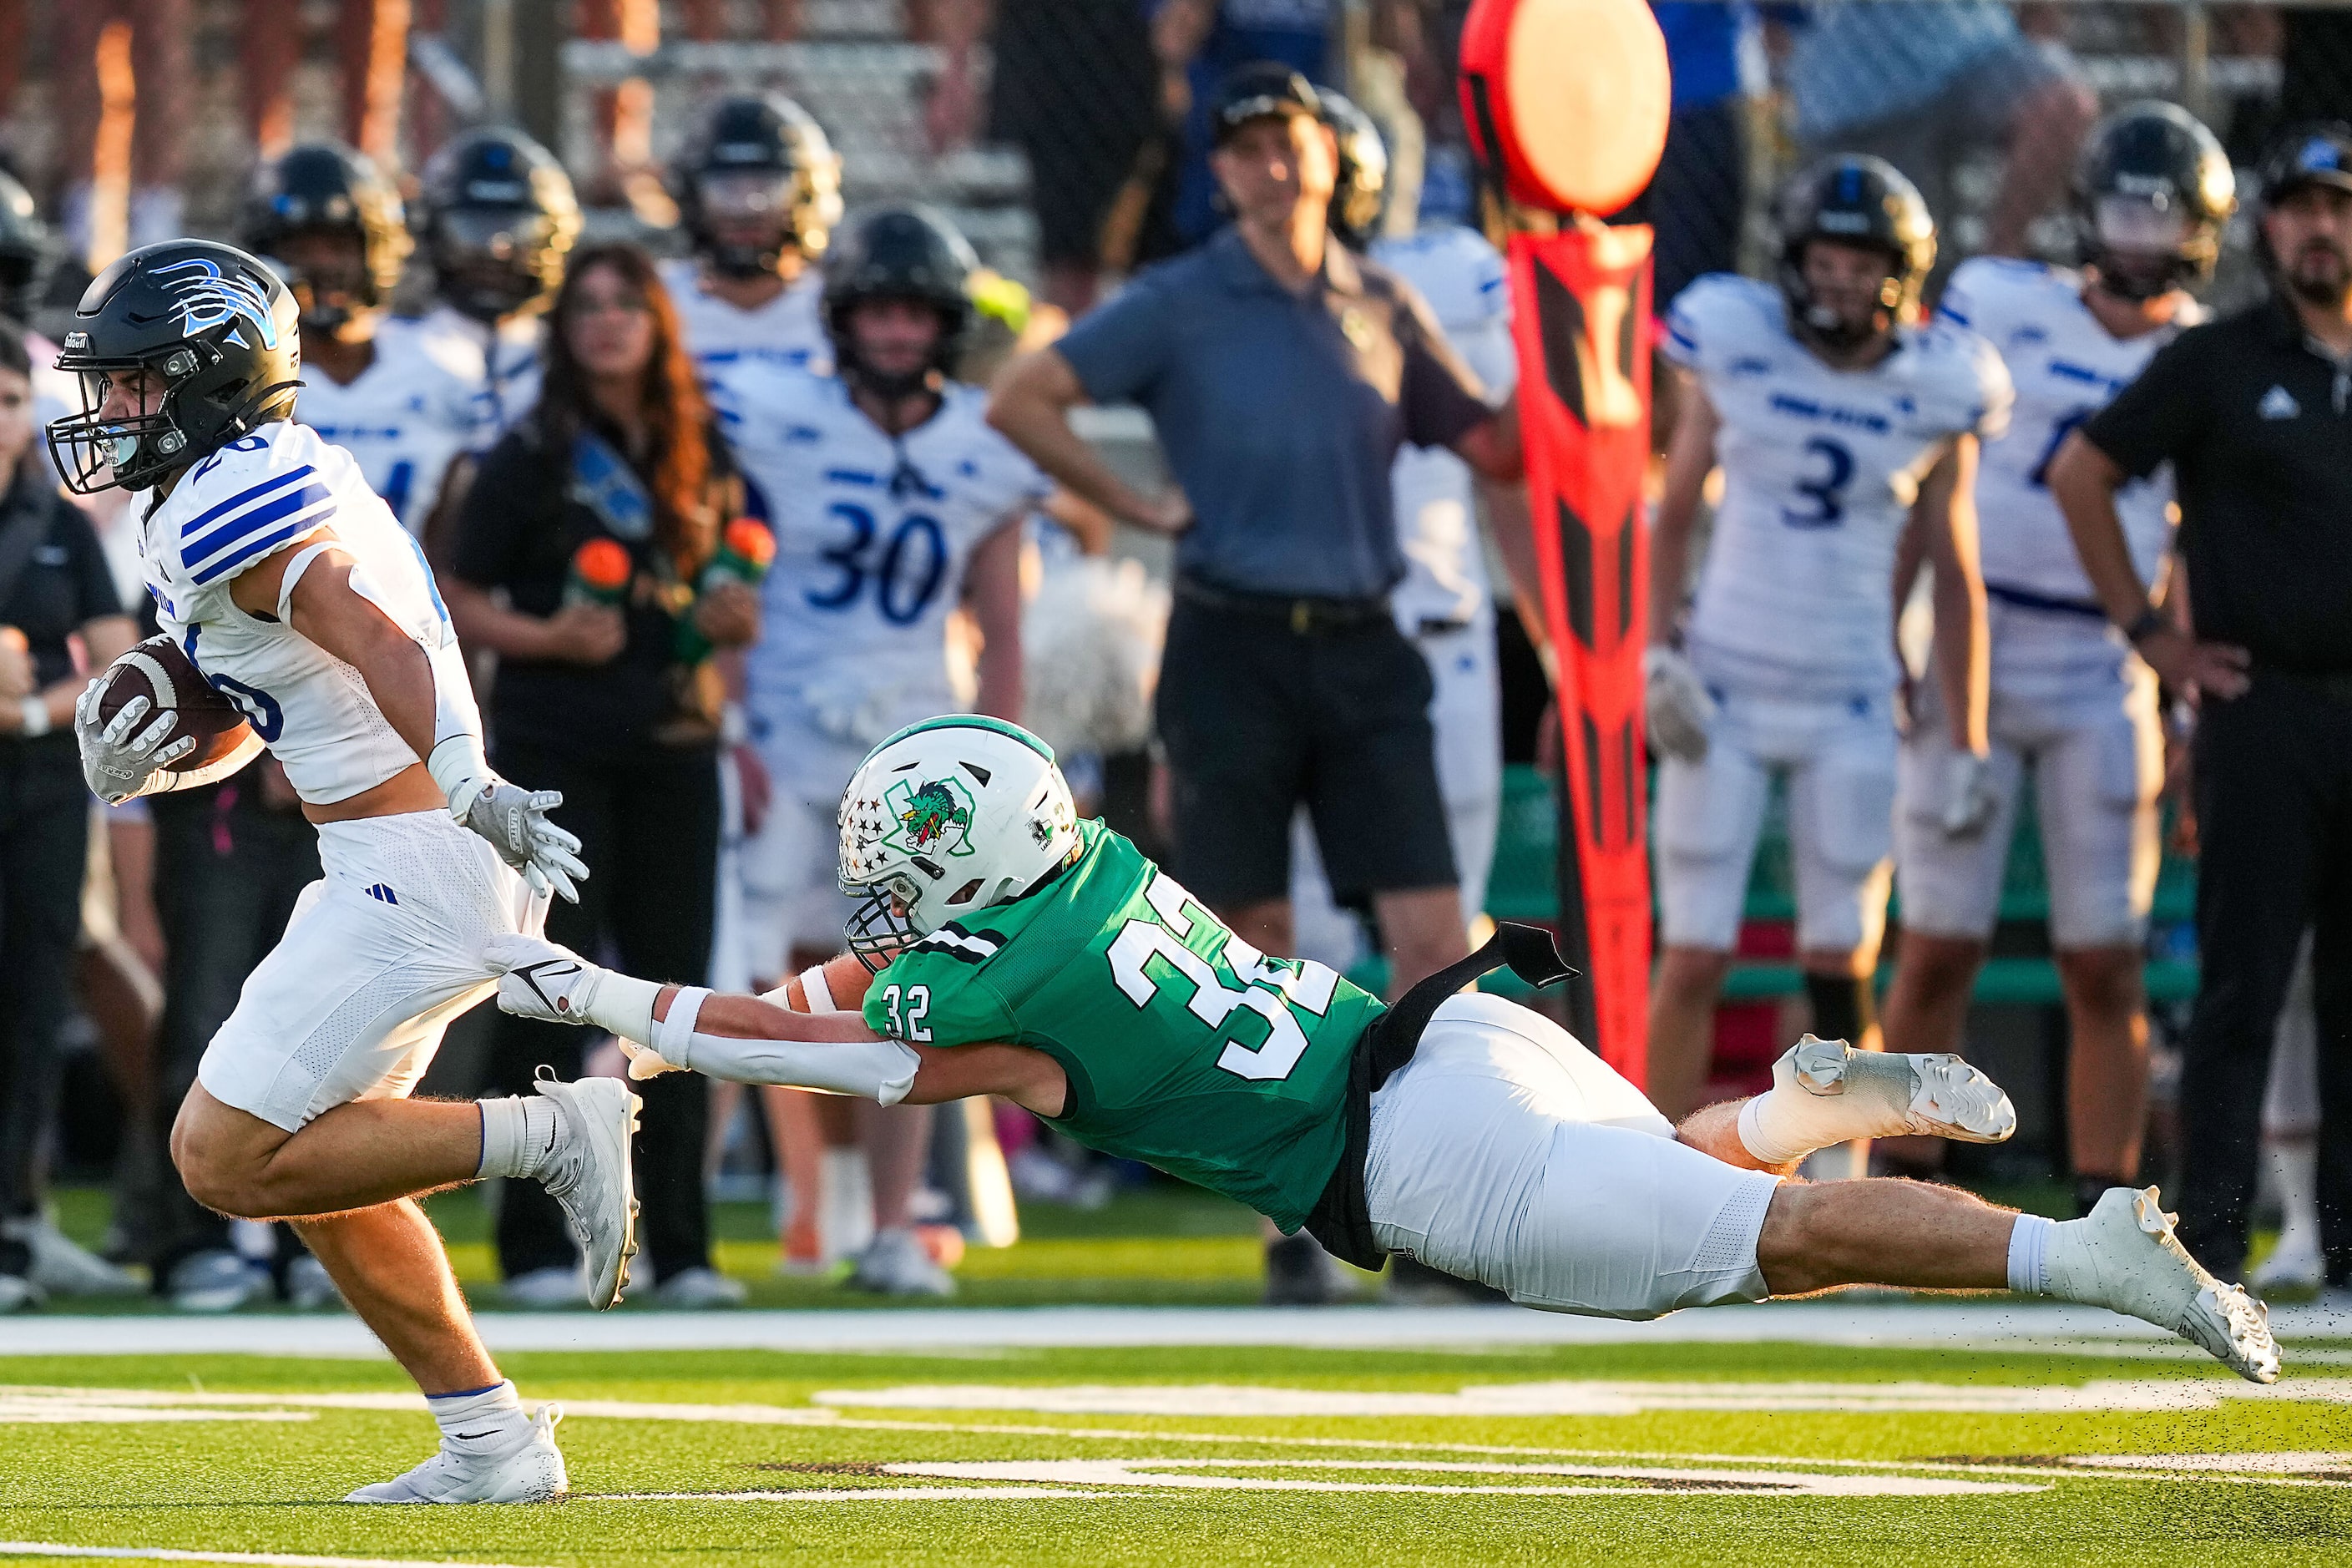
x=1185, y=1048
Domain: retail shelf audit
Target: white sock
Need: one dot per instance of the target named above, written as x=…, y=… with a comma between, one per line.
x=480, y=1420
x=2028, y=1243
x=518, y=1132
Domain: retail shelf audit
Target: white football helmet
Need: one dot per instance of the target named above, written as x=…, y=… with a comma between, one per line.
x=946, y=818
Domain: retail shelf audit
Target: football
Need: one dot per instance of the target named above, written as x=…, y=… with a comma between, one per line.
x=160, y=671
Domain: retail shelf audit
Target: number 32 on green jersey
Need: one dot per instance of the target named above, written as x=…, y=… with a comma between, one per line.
x=1238, y=977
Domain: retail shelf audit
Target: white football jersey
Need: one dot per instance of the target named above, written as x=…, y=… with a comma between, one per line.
x=505, y=363
x=244, y=503
x=872, y=539
x=415, y=408
x=2066, y=367
x=787, y=330
x=1464, y=280
x=1820, y=470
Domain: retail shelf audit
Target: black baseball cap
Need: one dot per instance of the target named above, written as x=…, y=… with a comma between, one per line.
x=2313, y=154
x=1258, y=89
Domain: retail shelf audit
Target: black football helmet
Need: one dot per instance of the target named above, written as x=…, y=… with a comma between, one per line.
x=899, y=252
x=1851, y=199
x=1361, y=188
x=219, y=332
x=327, y=186
x=2153, y=191
x=757, y=161
x=499, y=217
x=25, y=252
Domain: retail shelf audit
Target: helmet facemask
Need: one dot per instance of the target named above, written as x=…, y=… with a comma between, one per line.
x=2145, y=246
x=494, y=262
x=1839, y=330
x=95, y=451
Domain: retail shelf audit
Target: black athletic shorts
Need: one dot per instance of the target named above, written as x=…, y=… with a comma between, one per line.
x=1257, y=718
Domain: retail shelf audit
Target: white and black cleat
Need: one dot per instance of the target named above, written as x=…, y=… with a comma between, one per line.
x=530, y=1471
x=1937, y=1094
x=588, y=1172
x=2127, y=1258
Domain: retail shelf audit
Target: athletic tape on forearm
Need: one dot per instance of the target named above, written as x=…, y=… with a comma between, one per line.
x=619, y=1004
x=879, y=1070
x=818, y=989
x=674, y=1035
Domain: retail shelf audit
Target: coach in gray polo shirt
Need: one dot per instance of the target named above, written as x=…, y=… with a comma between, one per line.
x=1282, y=372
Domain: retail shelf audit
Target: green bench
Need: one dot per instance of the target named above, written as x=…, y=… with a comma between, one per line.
x=1522, y=887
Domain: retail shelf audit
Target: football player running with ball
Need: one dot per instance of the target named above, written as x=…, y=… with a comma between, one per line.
x=299, y=599
x=1019, y=951
x=2071, y=704
x=1839, y=426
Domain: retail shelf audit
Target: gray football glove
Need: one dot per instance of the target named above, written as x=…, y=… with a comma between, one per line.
x=1678, y=706
x=120, y=756
x=1970, y=796
x=514, y=820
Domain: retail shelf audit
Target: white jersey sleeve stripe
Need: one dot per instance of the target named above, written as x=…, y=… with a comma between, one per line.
x=230, y=547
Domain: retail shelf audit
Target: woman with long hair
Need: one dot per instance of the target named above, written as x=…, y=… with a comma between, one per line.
x=583, y=559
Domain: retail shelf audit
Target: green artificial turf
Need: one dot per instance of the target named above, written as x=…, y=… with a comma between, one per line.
x=269, y=1487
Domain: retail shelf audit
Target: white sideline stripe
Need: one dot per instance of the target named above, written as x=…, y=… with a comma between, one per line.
x=861, y=1494
x=1962, y=1325
x=269, y=1559
x=1782, y=1483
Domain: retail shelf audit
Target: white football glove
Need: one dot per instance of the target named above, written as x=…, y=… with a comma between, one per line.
x=1680, y=709
x=120, y=756
x=514, y=820
x=1970, y=798
x=549, y=983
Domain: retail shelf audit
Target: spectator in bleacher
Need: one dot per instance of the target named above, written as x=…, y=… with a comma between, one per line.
x=1283, y=373
x=1698, y=198
x=1921, y=82
x=55, y=588
x=2072, y=706
x=160, y=70
x=595, y=694
x=2251, y=411
x=1077, y=88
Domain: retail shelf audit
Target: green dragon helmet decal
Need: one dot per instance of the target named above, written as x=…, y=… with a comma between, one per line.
x=938, y=816
x=944, y=819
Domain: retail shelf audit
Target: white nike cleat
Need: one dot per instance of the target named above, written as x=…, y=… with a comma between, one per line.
x=2294, y=1268
x=1938, y=1094
x=2124, y=1256
x=588, y=1173
x=530, y=1471
x=895, y=1264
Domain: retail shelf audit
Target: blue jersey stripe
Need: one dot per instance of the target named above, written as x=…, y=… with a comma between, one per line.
x=196, y=526
x=267, y=542
x=312, y=505
x=195, y=552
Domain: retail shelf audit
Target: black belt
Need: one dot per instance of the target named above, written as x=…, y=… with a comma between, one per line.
x=1341, y=1220
x=1304, y=614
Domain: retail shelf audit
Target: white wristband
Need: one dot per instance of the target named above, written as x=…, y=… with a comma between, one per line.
x=37, y=718
x=818, y=991
x=673, y=1035
x=458, y=766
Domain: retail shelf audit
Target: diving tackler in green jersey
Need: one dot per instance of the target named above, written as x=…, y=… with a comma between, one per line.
x=1183, y=1046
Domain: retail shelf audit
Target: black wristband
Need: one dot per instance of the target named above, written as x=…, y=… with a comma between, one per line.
x=2151, y=622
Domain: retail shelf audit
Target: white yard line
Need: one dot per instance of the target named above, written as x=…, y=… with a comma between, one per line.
x=267, y=1559
x=1980, y=1325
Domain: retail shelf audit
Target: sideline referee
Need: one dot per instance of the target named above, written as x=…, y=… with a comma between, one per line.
x=2255, y=411
x=1282, y=372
